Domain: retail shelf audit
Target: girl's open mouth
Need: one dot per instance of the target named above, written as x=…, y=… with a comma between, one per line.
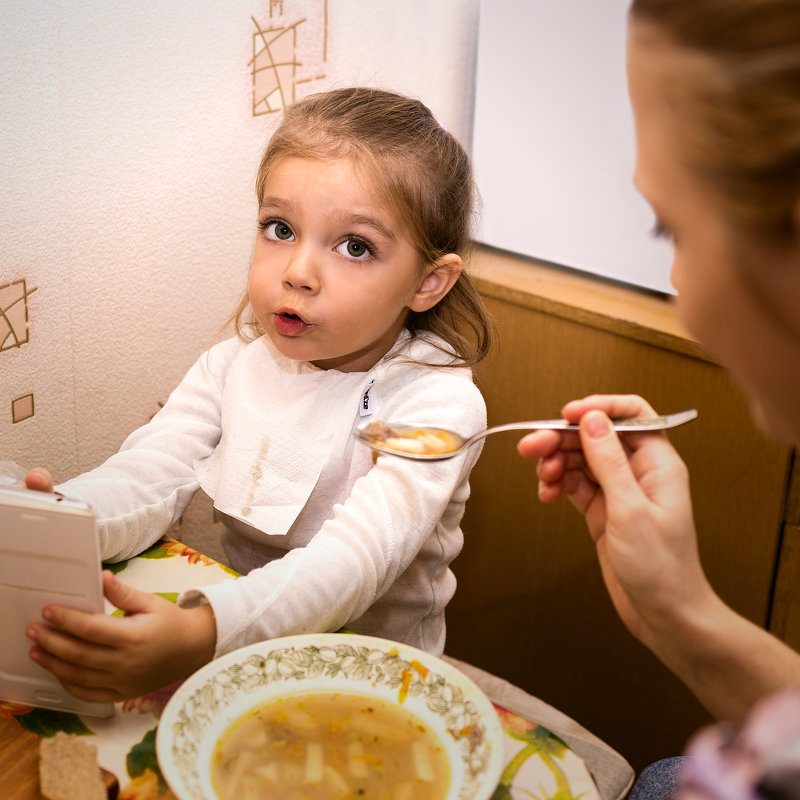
x=288, y=323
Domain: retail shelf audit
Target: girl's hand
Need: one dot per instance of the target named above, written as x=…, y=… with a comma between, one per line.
x=101, y=658
x=39, y=479
x=635, y=496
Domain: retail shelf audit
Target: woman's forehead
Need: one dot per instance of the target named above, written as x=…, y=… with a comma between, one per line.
x=652, y=122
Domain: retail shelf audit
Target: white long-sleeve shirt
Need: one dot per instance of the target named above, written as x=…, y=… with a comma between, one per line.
x=325, y=537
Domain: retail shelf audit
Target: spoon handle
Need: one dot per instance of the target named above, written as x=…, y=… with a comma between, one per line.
x=631, y=424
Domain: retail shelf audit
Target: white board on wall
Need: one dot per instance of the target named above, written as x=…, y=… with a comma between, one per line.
x=553, y=141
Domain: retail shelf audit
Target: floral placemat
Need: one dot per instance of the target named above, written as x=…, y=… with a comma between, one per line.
x=538, y=763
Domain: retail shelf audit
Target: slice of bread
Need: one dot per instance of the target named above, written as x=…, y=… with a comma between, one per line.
x=68, y=769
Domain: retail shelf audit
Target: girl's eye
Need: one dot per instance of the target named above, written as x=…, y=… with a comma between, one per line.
x=277, y=230
x=355, y=248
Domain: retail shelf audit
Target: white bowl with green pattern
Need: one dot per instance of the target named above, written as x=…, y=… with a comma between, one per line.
x=442, y=697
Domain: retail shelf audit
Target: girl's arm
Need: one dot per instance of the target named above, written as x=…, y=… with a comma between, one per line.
x=137, y=494
x=635, y=497
x=371, y=538
x=141, y=490
x=350, y=563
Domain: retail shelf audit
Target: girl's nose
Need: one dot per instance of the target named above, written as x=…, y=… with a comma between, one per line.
x=301, y=273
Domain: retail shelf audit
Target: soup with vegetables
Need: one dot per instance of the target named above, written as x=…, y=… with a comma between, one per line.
x=423, y=441
x=330, y=745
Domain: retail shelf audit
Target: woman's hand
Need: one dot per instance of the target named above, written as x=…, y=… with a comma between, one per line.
x=634, y=493
x=102, y=658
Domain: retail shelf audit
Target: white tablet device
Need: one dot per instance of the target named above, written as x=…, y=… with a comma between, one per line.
x=48, y=554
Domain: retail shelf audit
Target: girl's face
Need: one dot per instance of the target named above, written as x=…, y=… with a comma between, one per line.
x=738, y=298
x=333, y=274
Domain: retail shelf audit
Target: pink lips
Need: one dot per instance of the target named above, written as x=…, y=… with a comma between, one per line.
x=287, y=323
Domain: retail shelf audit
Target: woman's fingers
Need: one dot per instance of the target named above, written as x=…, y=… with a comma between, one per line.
x=561, y=468
x=541, y=444
x=607, y=458
x=616, y=406
x=553, y=467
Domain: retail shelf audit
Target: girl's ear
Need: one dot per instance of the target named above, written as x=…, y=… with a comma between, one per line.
x=437, y=281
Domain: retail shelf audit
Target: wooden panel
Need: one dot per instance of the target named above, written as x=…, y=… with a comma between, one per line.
x=792, y=510
x=570, y=294
x=531, y=606
x=785, y=617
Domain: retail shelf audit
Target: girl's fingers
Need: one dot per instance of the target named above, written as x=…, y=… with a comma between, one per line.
x=125, y=597
x=71, y=673
x=91, y=628
x=92, y=687
x=92, y=695
x=68, y=649
x=39, y=479
x=99, y=629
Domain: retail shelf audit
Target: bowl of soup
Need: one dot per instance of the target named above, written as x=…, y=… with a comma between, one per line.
x=330, y=715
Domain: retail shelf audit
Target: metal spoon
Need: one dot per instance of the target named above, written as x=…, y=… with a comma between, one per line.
x=455, y=444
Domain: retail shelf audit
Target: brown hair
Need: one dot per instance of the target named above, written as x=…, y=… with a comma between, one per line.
x=420, y=170
x=742, y=112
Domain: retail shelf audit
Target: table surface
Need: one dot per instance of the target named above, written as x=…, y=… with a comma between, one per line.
x=538, y=763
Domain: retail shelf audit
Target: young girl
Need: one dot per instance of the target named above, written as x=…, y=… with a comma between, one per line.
x=357, y=308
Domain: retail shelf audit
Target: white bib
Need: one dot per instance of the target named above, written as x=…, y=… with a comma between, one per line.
x=281, y=419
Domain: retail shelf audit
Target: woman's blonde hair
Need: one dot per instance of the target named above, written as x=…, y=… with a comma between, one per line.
x=741, y=112
x=420, y=170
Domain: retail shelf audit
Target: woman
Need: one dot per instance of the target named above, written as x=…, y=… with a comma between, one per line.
x=715, y=91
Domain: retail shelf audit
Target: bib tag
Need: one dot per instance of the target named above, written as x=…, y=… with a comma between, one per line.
x=365, y=409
